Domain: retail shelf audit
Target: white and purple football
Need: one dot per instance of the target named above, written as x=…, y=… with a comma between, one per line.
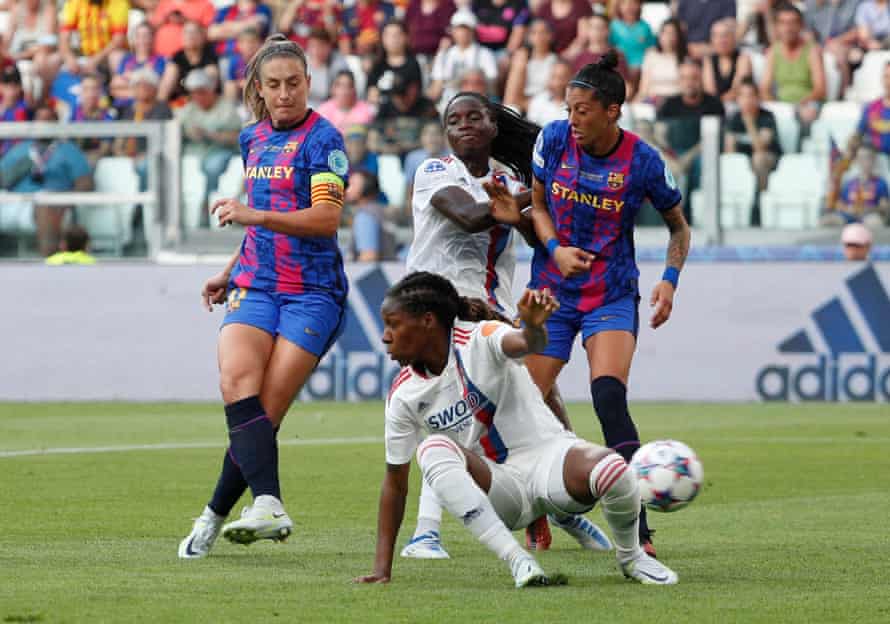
x=670, y=474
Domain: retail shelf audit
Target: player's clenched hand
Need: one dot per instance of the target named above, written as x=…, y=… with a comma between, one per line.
x=214, y=290
x=232, y=211
x=504, y=207
x=536, y=306
x=572, y=260
x=372, y=578
x=662, y=302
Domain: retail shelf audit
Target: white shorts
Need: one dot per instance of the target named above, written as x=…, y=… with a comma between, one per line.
x=530, y=483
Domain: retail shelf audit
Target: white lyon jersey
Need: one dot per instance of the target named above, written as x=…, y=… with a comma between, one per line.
x=483, y=400
x=479, y=265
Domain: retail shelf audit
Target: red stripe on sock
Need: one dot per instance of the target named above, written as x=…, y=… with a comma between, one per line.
x=614, y=478
x=450, y=446
x=606, y=474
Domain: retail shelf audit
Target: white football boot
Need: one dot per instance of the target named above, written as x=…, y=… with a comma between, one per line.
x=527, y=572
x=585, y=532
x=265, y=519
x=425, y=546
x=204, y=533
x=648, y=571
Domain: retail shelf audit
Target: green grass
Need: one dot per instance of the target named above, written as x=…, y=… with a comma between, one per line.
x=790, y=527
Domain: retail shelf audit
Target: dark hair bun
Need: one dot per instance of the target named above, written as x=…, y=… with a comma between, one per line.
x=609, y=61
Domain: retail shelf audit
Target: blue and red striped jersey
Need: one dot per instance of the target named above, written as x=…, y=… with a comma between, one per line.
x=593, y=203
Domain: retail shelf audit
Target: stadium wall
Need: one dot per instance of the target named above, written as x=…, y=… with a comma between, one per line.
x=741, y=331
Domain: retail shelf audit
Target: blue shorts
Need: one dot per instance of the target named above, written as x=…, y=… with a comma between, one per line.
x=619, y=315
x=312, y=320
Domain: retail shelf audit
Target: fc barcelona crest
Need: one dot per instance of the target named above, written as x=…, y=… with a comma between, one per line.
x=616, y=180
x=291, y=147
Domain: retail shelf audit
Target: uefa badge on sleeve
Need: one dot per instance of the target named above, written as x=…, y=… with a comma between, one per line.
x=338, y=163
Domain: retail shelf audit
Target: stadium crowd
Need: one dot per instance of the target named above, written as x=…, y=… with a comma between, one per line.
x=786, y=78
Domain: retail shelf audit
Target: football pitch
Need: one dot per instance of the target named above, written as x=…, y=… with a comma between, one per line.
x=791, y=525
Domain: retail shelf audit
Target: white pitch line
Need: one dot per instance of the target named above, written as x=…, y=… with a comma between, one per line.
x=177, y=446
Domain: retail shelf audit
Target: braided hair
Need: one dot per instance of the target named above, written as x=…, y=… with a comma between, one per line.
x=275, y=46
x=515, y=142
x=421, y=292
x=603, y=79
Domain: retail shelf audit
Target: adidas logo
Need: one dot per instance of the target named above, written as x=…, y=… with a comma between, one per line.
x=843, y=356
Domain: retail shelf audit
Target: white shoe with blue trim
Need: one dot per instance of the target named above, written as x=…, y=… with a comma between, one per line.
x=425, y=546
x=204, y=533
x=585, y=532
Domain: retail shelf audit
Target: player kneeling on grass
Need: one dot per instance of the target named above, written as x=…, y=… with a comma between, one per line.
x=485, y=440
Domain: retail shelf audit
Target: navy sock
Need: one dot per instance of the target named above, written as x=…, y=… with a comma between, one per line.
x=619, y=432
x=229, y=488
x=254, y=446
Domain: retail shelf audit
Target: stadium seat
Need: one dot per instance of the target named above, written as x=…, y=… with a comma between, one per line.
x=795, y=193
x=833, y=78
x=392, y=179
x=655, y=14
x=738, y=188
x=758, y=65
x=642, y=111
x=867, y=83
x=787, y=124
x=231, y=183
x=111, y=225
x=837, y=120
x=194, y=185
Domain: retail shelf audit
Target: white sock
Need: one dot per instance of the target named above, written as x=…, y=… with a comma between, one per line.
x=429, y=511
x=615, y=484
x=445, y=470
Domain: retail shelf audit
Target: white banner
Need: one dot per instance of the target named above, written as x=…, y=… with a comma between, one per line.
x=739, y=332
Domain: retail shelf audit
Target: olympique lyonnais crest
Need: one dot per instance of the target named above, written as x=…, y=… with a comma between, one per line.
x=291, y=147
x=616, y=180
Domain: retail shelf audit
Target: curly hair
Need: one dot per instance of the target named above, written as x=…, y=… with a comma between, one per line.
x=421, y=292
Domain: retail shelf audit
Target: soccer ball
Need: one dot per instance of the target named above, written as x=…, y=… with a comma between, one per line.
x=670, y=474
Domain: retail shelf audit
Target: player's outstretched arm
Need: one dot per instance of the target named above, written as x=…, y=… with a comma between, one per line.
x=662, y=300
x=535, y=307
x=460, y=207
x=389, y=519
x=321, y=219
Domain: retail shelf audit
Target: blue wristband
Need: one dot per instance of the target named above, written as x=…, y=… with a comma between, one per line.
x=672, y=275
x=552, y=244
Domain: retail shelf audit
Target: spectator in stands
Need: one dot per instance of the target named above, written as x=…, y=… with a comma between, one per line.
x=551, y=104
x=591, y=45
x=101, y=29
x=699, y=17
x=91, y=108
x=864, y=198
x=630, y=34
x=74, y=248
x=360, y=157
x=362, y=201
x=145, y=107
x=465, y=54
x=13, y=106
x=427, y=22
x=211, y=125
x=833, y=22
x=474, y=80
x=32, y=24
x=762, y=21
x=660, y=73
x=678, y=125
x=794, y=70
x=873, y=22
x=140, y=55
x=170, y=18
x=857, y=240
x=300, y=17
x=874, y=123
x=752, y=131
x=530, y=67
x=324, y=63
x=196, y=53
x=395, y=58
x=725, y=68
x=563, y=17
x=53, y=165
x=432, y=145
x=501, y=26
x=248, y=43
x=362, y=24
x=396, y=130
x=344, y=109
x=232, y=20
